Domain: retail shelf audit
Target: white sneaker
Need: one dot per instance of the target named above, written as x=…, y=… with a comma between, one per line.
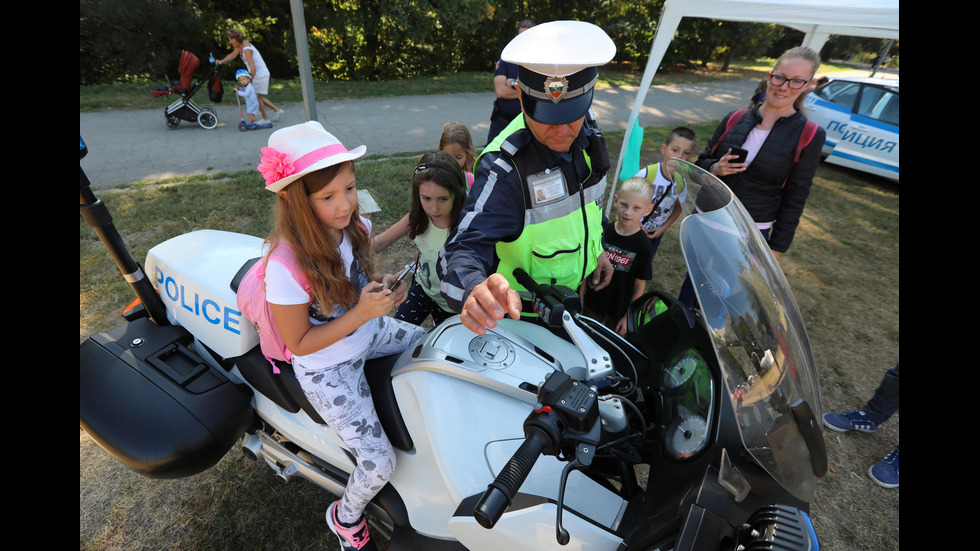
x=263, y=121
x=277, y=114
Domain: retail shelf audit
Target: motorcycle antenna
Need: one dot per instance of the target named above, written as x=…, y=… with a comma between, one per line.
x=97, y=216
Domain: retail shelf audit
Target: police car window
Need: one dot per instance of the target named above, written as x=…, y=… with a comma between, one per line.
x=879, y=104
x=840, y=92
x=890, y=112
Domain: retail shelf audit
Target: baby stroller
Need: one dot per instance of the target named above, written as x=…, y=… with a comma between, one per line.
x=185, y=108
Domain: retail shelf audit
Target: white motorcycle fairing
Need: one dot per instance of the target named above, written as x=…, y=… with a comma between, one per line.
x=462, y=398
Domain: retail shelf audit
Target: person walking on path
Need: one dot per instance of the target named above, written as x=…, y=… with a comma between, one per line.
x=506, y=105
x=256, y=67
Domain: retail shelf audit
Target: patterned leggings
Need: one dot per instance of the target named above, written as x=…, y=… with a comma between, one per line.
x=341, y=396
x=418, y=306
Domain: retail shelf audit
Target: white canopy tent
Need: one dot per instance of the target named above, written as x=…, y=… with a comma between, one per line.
x=817, y=18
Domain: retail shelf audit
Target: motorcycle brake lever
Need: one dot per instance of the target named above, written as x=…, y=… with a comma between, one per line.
x=584, y=453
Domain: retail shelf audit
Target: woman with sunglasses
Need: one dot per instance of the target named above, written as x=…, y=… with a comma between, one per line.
x=771, y=185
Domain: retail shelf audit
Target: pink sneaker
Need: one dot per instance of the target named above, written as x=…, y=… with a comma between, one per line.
x=352, y=538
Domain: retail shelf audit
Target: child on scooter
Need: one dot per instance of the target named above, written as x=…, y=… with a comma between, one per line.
x=438, y=192
x=337, y=321
x=247, y=92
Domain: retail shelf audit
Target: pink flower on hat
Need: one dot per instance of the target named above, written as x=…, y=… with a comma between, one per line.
x=274, y=165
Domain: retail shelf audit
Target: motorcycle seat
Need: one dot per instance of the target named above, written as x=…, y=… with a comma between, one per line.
x=285, y=391
x=378, y=374
x=255, y=368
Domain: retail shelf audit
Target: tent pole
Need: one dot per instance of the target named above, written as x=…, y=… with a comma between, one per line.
x=665, y=33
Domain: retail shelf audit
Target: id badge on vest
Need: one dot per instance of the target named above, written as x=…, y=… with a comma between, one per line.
x=547, y=186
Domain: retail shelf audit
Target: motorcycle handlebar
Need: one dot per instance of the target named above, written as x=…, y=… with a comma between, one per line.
x=550, y=301
x=524, y=279
x=499, y=494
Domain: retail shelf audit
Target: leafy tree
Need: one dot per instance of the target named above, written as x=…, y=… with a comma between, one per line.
x=125, y=38
x=382, y=39
x=632, y=26
x=856, y=48
x=388, y=39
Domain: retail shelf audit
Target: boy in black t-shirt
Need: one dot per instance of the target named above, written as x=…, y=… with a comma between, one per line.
x=628, y=249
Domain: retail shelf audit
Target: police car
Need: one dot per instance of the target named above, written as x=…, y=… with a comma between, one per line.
x=860, y=116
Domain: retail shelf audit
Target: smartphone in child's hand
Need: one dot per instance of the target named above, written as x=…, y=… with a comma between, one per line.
x=410, y=269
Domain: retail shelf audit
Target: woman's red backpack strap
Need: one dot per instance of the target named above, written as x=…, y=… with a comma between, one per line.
x=806, y=136
x=732, y=120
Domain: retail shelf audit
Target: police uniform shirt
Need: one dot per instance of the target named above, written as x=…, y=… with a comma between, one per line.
x=494, y=211
x=509, y=108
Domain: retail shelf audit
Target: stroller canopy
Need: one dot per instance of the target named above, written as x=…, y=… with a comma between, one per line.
x=188, y=64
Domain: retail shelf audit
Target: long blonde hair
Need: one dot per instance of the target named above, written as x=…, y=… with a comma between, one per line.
x=317, y=253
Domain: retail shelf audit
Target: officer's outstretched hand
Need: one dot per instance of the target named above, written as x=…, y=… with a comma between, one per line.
x=603, y=272
x=488, y=302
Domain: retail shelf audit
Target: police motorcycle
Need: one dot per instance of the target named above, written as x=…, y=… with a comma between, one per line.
x=697, y=431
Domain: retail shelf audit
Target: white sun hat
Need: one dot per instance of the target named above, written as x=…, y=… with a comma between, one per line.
x=298, y=150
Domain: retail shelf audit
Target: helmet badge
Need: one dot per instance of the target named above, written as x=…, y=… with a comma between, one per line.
x=556, y=87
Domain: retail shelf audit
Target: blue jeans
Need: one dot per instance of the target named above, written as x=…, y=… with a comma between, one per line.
x=884, y=403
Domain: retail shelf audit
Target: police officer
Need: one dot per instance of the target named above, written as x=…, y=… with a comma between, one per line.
x=535, y=202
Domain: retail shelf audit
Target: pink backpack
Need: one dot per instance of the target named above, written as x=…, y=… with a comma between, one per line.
x=255, y=308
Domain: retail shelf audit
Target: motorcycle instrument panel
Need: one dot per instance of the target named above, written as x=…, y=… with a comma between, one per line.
x=687, y=389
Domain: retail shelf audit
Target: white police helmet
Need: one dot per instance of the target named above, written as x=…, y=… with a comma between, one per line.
x=558, y=67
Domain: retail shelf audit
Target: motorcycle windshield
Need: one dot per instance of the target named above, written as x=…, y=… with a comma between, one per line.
x=756, y=328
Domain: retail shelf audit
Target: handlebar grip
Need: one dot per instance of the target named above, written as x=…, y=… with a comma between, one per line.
x=500, y=493
x=525, y=279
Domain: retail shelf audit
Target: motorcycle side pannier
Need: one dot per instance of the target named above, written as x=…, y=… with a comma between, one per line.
x=154, y=404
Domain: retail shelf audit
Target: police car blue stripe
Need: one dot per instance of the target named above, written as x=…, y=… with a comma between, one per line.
x=860, y=119
x=866, y=161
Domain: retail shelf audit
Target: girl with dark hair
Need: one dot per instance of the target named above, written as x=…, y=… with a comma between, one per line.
x=438, y=192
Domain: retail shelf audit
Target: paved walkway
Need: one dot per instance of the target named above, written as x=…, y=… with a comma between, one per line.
x=132, y=146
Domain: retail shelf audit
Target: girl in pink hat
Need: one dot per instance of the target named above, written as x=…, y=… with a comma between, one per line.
x=332, y=316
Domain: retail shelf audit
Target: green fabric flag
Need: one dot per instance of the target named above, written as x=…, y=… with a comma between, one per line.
x=631, y=159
